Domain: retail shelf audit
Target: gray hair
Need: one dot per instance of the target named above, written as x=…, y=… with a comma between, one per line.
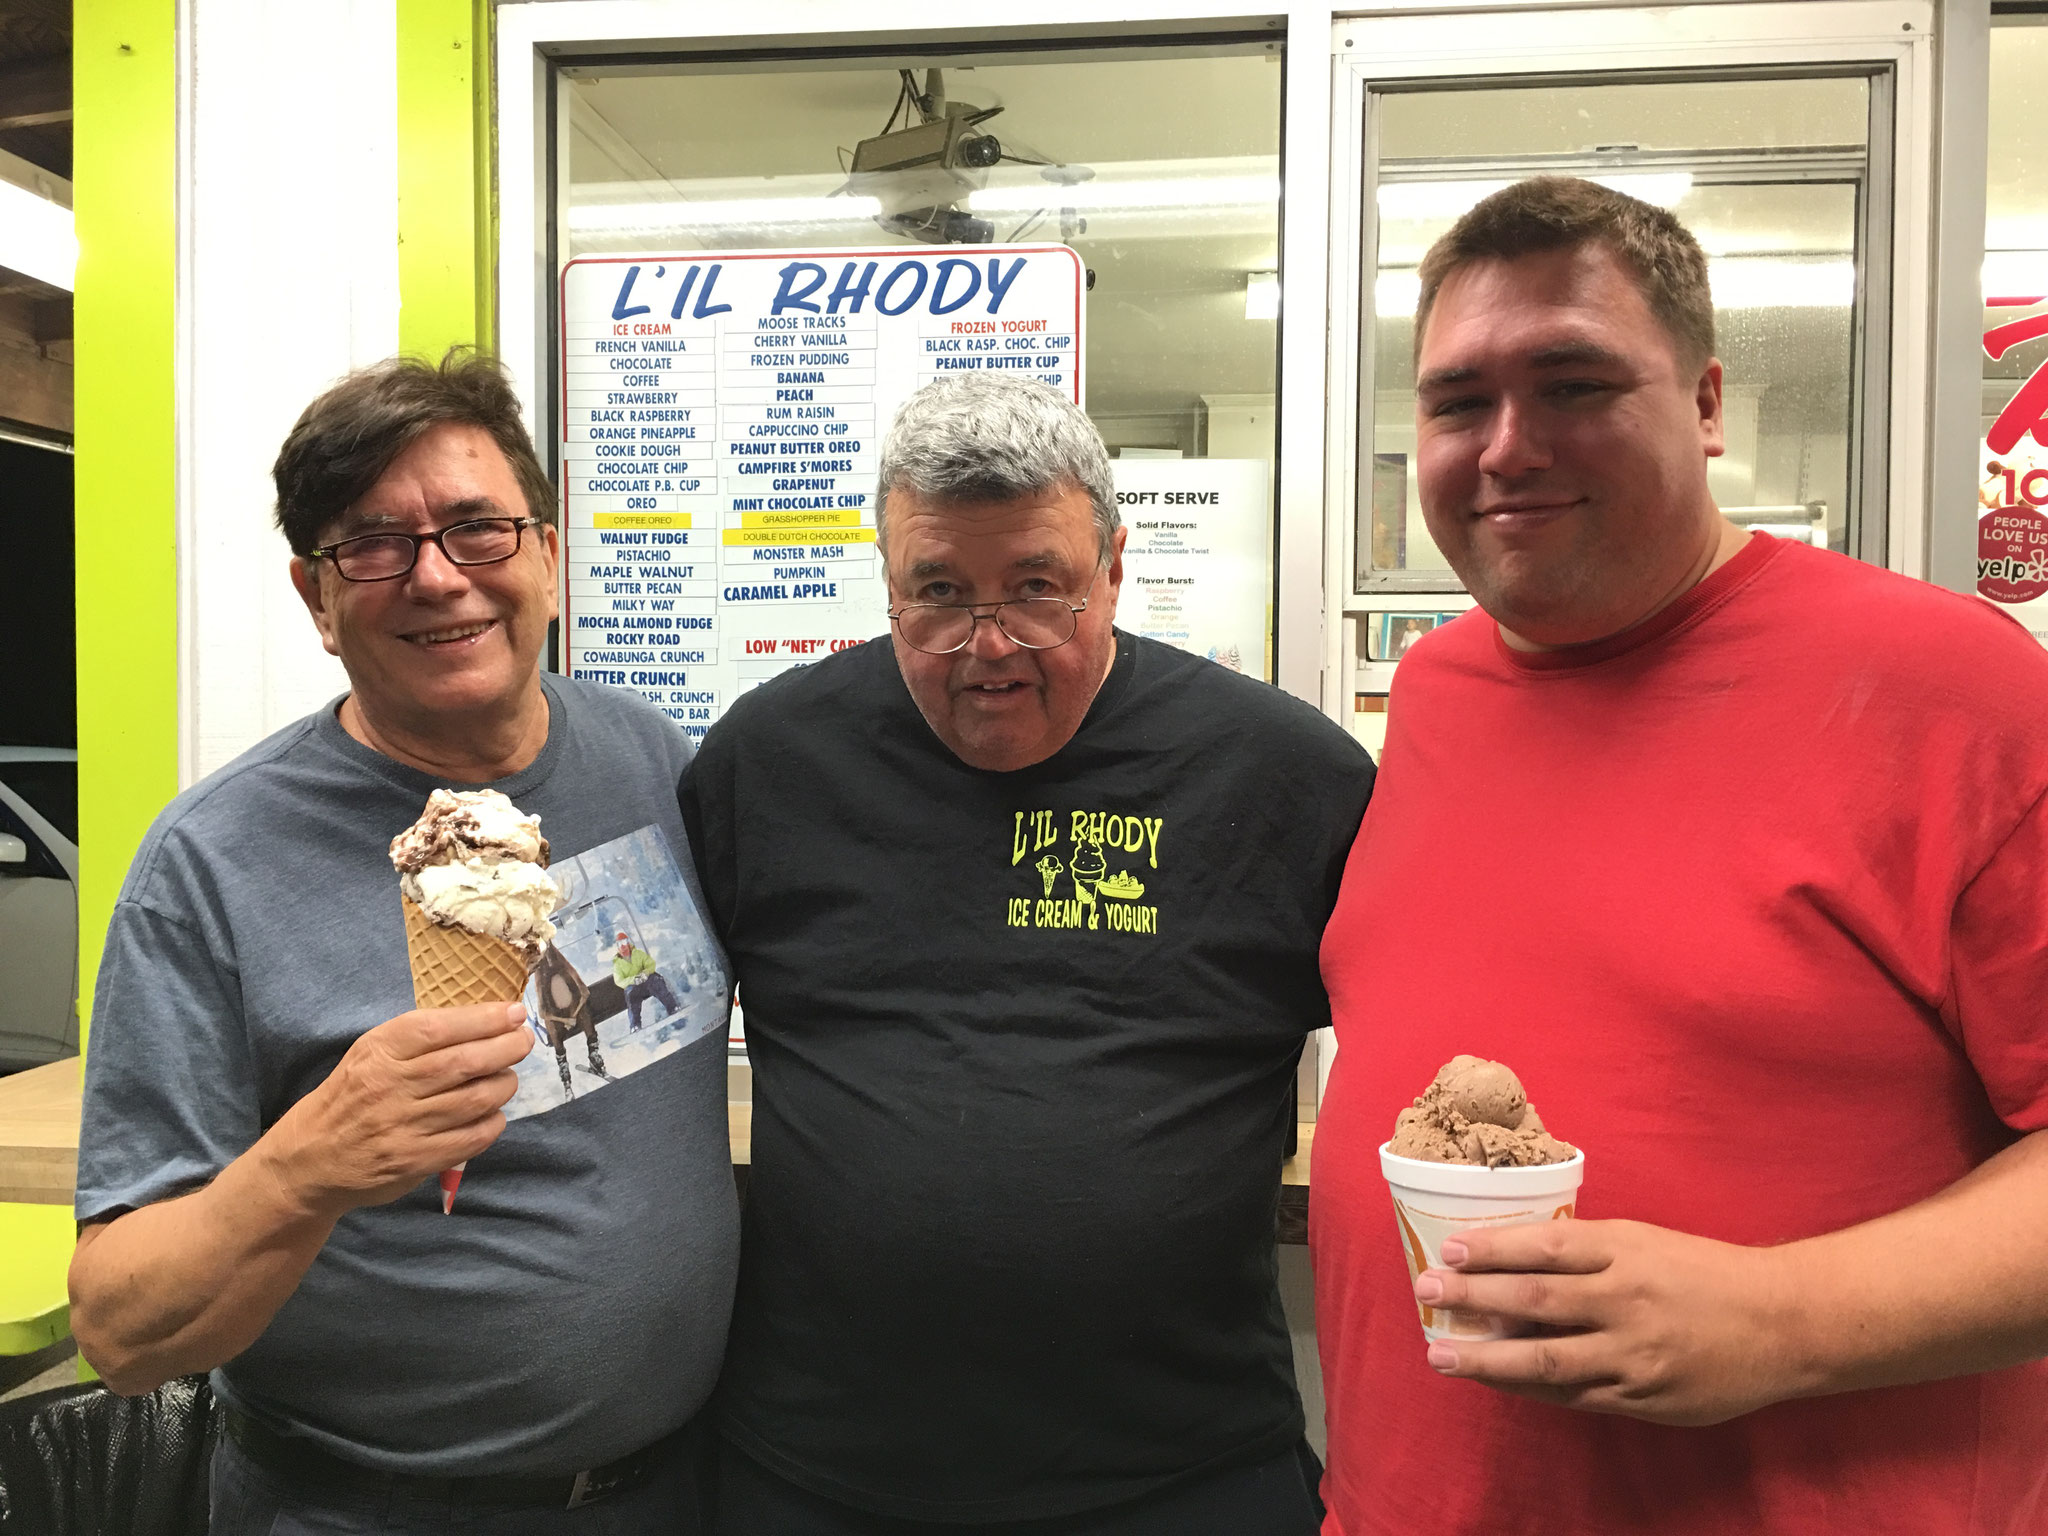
x=991, y=437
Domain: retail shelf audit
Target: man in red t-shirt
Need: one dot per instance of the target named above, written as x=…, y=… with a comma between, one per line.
x=1737, y=851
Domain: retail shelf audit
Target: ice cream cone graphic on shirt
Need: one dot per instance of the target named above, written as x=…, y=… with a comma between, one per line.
x=476, y=895
x=1088, y=868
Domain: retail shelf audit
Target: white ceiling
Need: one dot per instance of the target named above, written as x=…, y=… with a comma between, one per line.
x=788, y=121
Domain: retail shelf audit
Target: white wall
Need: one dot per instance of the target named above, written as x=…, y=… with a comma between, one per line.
x=288, y=277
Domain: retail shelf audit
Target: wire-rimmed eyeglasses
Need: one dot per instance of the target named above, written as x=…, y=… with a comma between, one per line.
x=1036, y=623
x=388, y=556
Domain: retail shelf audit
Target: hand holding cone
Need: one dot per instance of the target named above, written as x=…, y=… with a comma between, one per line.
x=476, y=899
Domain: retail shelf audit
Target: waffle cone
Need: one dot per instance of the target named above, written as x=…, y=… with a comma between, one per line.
x=452, y=966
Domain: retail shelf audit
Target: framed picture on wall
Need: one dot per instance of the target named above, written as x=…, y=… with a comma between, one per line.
x=1389, y=513
x=1393, y=633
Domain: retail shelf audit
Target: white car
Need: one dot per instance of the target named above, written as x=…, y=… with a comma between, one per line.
x=38, y=905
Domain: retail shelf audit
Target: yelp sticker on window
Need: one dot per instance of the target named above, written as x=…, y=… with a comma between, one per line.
x=2012, y=529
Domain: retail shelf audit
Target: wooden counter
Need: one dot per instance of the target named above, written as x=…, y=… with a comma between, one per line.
x=39, y=1134
x=1292, y=1223
x=39, y=1145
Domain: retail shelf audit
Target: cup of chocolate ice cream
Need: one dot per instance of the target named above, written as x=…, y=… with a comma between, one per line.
x=1473, y=1152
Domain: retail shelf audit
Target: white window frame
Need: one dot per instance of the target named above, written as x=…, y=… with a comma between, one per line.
x=1937, y=52
x=1940, y=129
x=532, y=32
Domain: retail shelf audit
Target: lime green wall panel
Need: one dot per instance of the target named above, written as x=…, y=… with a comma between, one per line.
x=35, y=1251
x=444, y=183
x=125, y=176
x=124, y=87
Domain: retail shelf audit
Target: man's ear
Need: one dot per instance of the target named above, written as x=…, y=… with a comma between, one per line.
x=551, y=555
x=1113, y=577
x=306, y=582
x=1713, y=430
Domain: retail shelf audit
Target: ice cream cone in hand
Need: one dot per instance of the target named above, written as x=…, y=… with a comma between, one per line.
x=474, y=884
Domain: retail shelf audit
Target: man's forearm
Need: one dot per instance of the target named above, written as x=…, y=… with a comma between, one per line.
x=189, y=1283
x=1953, y=1285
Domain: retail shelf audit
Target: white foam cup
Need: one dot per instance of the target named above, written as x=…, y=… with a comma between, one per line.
x=1434, y=1201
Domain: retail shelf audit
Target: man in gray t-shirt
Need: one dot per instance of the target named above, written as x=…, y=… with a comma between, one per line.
x=265, y=1110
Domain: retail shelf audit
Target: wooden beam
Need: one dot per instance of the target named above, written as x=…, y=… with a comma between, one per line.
x=35, y=388
x=36, y=92
x=50, y=320
x=54, y=16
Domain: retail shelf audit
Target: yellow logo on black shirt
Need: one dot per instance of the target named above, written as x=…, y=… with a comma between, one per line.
x=1070, y=889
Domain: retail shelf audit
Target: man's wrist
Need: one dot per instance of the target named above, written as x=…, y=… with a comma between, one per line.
x=1800, y=1315
x=276, y=1168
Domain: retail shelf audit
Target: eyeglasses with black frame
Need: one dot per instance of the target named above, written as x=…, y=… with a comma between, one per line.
x=388, y=556
x=1036, y=623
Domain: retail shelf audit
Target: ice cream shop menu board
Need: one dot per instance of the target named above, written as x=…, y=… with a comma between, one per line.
x=721, y=425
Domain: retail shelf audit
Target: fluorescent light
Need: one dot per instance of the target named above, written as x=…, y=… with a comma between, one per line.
x=2009, y=274
x=723, y=213
x=1122, y=196
x=1738, y=282
x=1153, y=194
x=1396, y=292
x=1439, y=200
x=1432, y=200
x=37, y=238
x=1397, y=200
x=1262, y=295
x=1660, y=189
x=1764, y=282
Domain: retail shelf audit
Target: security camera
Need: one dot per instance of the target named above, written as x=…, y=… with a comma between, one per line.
x=920, y=173
x=939, y=226
x=978, y=151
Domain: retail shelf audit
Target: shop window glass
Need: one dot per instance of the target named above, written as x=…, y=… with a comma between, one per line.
x=2012, y=545
x=1161, y=170
x=1773, y=178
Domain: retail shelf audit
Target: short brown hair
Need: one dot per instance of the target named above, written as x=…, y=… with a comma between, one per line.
x=345, y=440
x=1558, y=213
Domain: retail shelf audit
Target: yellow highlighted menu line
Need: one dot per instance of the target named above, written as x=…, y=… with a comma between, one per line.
x=640, y=519
x=808, y=535
x=846, y=519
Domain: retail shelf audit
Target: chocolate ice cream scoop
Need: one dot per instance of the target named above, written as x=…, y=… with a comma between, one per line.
x=1483, y=1090
x=1475, y=1111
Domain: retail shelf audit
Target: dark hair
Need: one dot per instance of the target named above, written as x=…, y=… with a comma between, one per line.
x=345, y=440
x=1557, y=213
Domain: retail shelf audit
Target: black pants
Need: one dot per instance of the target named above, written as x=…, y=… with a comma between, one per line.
x=1276, y=1497
x=249, y=1500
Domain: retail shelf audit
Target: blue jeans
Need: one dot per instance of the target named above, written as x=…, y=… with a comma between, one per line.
x=249, y=1500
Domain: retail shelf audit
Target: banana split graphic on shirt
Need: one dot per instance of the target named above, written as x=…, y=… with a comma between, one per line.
x=1086, y=870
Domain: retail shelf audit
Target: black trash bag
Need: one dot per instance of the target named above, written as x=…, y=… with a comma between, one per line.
x=80, y=1461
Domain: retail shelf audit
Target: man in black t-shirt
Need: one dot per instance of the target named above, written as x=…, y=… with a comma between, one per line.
x=1024, y=914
